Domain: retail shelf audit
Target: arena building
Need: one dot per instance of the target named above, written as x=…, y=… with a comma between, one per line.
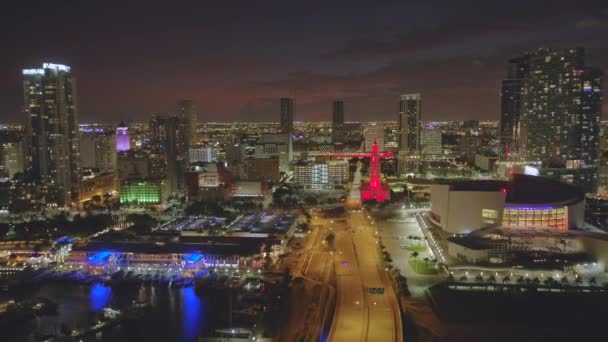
x=461, y=207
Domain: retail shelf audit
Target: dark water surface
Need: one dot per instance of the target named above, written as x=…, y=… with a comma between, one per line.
x=173, y=314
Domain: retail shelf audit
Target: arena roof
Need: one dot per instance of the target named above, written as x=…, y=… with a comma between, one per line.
x=524, y=190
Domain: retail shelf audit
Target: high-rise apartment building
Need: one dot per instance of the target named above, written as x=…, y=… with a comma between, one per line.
x=337, y=123
x=168, y=140
x=187, y=111
x=287, y=115
x=511, y=104
x=561, y=106
x=409, y=123
x=430, y=142
x=176, y=142
x=409, y=133
x=551, y=107
x=98, y=150
x=374, y=134
x=123, y=139
x=52, y=146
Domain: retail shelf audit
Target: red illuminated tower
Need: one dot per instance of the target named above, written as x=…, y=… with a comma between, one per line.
x=375, y=189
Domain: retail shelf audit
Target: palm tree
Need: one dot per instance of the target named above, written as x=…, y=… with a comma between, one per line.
x=578, y=281
x=592, y=281
x=479, y=278
x=536, y=281
x=520, y=280
x=491, y=279
x=564, y=281
x=506, y=279
x=450, y=278
x=464, y=278
x=549, y=281
x=415, y=256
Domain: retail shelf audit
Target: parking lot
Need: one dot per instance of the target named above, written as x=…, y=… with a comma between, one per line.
x=264, y=222
x=193, y=223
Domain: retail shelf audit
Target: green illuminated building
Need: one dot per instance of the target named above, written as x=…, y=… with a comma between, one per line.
x=141, y=192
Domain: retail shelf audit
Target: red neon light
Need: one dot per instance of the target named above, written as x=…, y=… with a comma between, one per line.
x=375, y=189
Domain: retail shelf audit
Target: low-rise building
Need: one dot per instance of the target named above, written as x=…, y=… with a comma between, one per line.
x=143, y=192
x=263, y=169
x=97, y=184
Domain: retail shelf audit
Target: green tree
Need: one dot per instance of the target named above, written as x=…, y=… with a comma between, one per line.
x=415, y=256
x=141, y=223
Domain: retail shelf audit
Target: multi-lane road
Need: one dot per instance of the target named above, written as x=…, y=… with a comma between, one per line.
x=360, y=314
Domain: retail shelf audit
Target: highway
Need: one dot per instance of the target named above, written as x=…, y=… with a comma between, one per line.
x=360, y=315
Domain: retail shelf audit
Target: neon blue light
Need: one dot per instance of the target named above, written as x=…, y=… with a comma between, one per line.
x=99, y=297
x=193, y=314
x=100, y=258
x=193, y=257
x=530, y=208
x=192, y=260
x=65, y=240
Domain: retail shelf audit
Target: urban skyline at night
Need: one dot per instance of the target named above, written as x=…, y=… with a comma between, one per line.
x=270, y=171
x=237, y=69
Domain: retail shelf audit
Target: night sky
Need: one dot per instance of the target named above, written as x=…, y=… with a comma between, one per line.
x=236, y=58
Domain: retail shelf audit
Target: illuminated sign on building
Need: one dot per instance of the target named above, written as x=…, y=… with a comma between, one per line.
x=33, y=71
x=57, y=67
x=531, y=171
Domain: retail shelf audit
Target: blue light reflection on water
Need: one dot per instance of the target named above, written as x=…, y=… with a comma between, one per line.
x=99, y=297
x=193, y=314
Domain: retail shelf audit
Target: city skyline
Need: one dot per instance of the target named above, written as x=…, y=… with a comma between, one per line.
x=232, y=69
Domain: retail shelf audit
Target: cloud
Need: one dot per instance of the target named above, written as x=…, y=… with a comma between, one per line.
x=456, y=88
x=592, y=22
x=466, y=25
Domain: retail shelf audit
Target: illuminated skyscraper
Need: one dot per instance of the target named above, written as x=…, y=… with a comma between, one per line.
x=187, y=111
x=168, y=138
x=52, y=147
x=286, y=115
x=409, y=123
x=123, y=140
x=561, y=107
x=511, y=104
x=409, y=133
x=337, y=126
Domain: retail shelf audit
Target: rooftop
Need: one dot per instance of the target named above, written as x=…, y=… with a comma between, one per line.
x=523, y=189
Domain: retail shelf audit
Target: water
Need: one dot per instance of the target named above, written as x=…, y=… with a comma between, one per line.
x=174, y=314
